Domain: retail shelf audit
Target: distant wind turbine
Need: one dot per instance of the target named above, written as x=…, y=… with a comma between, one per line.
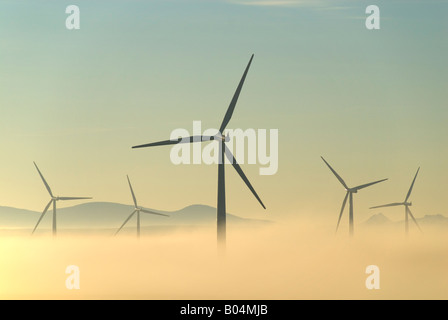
x=223, y=150
x=53, y=201
x=349, y=194
x=406, y=204
x=137, y=210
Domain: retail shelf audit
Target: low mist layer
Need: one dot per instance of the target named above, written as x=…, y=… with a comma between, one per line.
x=295, y=260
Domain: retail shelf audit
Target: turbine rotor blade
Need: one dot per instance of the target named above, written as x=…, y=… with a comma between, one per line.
x=415, y=221
x=335, y=173
x=412, y=185
x=342, y=210
x=152, y=212
x=42, y=215
x=388, y=205
x=73, y=198
x=176, y=141
x=232, y=105
x=241, y=173
x=130, y=216
x=132, y=192
x=368, y=184
x=43, y=179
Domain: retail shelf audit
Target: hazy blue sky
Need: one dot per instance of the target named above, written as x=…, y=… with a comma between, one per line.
x=373, y=102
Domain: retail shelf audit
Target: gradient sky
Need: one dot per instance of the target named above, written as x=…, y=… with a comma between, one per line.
x=373, y=103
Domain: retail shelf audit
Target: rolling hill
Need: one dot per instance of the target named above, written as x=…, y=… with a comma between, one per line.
x=428, y=221
x=108, y=215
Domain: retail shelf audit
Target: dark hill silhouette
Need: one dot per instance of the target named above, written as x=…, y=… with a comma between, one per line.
x=106, y=215
x=431, y=221
x=378, y=220
x=17, y=218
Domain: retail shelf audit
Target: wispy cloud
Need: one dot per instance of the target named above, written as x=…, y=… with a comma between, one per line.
x=320, y=5
x=333, y=4
x=278, y=3
x=317, y=4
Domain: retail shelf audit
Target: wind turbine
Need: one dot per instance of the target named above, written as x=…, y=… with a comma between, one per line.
x=223, y=149
x=349, y=194
x=406, y=204
x=137, y=210
x=53, y=201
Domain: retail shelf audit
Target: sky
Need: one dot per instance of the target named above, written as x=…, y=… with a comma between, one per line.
x=372, y=102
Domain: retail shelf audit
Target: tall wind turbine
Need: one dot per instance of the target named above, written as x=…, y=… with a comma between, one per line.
x=137, y=210
x=349, y=194
x=406, y=204
x=53, y=201
x=223, y=150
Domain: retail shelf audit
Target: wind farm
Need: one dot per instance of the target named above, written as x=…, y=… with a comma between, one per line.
x=288, y=161
x=175, y=255
x=300, y=253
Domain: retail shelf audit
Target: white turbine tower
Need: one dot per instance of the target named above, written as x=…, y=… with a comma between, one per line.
x=137, y=209
x=349, y=194
x=53, y=201
x=406, y=204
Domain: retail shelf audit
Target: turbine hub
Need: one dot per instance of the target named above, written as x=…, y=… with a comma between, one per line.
x=221, y=137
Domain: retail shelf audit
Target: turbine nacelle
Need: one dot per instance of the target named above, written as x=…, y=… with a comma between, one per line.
x=221, y=137
x=354, y=190
x=408, y=204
